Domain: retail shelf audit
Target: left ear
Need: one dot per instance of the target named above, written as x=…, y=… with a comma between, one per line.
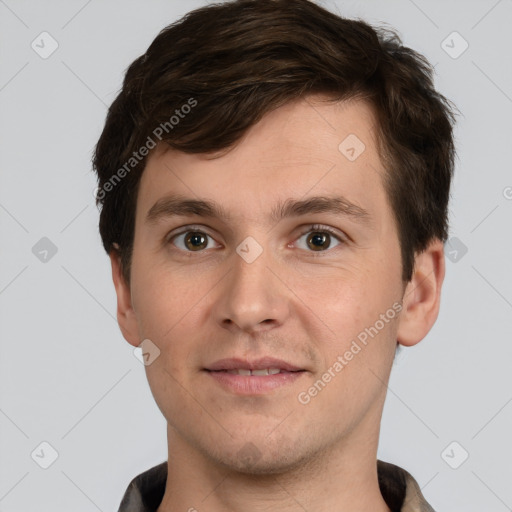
x=422, y=295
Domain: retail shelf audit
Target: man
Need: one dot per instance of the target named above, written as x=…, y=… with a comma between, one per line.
x=274, y=183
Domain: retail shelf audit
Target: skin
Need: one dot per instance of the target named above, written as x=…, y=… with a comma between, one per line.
x=293, y=303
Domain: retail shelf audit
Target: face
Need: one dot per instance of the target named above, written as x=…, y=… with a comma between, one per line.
x=282, y=253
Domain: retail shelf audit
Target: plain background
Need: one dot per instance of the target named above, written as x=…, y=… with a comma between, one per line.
x=67, y=376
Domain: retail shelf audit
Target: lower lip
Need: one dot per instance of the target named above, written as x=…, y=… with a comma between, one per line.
x=254, y=384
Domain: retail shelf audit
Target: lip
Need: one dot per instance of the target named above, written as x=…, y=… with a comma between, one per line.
x=253, y=384
x=256, y=364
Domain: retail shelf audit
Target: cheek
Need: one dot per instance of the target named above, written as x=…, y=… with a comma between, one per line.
x=339, y=297
x=162, y=298
x=356, y=360
x=348, y=307
x=167, y=316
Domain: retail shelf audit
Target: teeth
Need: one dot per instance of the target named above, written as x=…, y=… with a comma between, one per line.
x=260, y=372
x=240, y=372
x=267, y=371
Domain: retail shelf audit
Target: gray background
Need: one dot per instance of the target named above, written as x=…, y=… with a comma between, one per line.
x=68, y=378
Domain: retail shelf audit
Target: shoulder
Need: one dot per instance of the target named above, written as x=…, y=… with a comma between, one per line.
x=145, y=491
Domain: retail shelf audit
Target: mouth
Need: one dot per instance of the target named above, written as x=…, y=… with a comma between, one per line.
x=264, y=371
x=243, y=377
x=270, y=365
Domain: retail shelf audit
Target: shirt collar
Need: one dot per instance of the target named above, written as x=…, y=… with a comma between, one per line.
x=399, y=489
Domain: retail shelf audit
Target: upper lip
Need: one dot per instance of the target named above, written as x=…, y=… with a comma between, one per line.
x=256, y=364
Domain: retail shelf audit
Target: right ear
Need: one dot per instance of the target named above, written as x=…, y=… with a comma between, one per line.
x=125, y=313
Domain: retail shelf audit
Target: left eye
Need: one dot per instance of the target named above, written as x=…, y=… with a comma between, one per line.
x=318, y=240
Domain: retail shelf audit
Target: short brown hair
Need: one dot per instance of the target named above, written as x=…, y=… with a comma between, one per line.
x=233, y=62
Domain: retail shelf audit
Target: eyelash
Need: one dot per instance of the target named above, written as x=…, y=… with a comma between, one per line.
x=317, y=228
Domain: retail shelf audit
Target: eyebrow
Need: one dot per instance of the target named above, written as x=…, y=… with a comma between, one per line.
x=176, y=205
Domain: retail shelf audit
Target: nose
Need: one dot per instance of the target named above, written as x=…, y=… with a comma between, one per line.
x=250, y=297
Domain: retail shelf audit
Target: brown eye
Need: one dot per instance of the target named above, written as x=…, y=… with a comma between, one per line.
x=192, y=241
x=196, y=241
x=319, y=241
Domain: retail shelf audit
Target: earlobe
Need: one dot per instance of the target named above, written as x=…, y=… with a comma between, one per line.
x=125, y=313
x=422, y=295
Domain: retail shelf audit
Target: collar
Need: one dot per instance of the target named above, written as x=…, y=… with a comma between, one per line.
x=399, y=489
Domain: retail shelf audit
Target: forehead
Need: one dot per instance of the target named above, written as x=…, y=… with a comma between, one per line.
x=306, y=147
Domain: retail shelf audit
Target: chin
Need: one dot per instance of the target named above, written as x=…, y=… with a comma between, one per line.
x=259, y=458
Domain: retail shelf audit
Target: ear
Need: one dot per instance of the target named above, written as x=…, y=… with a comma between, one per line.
x=125, y=314
x=422, y=295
